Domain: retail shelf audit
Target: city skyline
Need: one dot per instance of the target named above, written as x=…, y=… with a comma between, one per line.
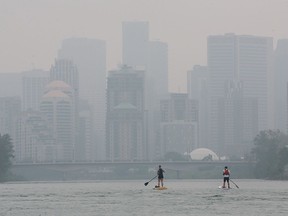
x=233, y=93
x=31, y=37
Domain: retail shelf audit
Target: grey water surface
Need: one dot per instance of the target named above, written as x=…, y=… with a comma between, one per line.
x=183, y=197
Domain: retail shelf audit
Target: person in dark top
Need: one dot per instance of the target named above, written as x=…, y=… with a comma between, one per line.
x=160, y=176
x=226, y=177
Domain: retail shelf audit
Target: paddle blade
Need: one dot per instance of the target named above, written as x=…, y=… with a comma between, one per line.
x=146, y=183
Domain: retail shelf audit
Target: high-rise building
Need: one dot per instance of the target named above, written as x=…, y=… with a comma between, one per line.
x=90, y=57
x=151, y=56
x=10, y=110
x=157, y=72
x=57, y=105
x=10, y=84
x=156, y=89
x=135, y=44
x=88, y=150
x=126, y=125
x=243, y=58
x=36, y=143
x=287, y=106
x=33, y=85
x=179, y=125
x=237, y=121
x=65, y=70
x=281, y=79
x=197, y=88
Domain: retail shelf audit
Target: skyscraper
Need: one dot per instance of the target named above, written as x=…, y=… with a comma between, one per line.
x=237, y=121
x=90, y=57
x=157, y=72
x=151, y=56
x=197, y=88
x=179, y=124
x=281, y=79
x=88, y=149
x=156, y=89
x=36, y=143
x=10, y=111
x=135, y=43
x=10, y=108
x=126, y=127
x=33, y=85
x=65, y=70
x=10, y=84
x=57, y=105
x=240, y=58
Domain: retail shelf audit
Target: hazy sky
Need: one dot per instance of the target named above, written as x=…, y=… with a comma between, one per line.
x=31, y=31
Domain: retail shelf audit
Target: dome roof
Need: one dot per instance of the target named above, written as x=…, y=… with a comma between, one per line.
x=58, y=85
x=55, y=94
x=203, y=153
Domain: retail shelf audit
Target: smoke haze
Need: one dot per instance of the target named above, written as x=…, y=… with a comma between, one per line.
x=32, y=30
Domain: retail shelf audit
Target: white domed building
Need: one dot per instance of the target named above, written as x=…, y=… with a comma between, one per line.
x=203, y=154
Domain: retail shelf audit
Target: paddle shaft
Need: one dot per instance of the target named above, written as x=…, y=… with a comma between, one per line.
x=234, y=183
x=150, y=180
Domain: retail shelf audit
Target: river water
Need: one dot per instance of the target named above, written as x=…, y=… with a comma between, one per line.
x=127, y=198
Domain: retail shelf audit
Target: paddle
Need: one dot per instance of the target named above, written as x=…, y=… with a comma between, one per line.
x=234, y=183
x=146, y=183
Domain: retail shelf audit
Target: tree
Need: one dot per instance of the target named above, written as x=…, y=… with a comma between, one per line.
x=6, y=154
x=271, y=154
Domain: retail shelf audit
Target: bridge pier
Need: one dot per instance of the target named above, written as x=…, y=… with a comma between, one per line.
x=178, y=174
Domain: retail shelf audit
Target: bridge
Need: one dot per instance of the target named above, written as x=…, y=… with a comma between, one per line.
x=128, y=170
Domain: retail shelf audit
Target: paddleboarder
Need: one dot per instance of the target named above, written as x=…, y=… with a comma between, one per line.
x=226, y=176
x=160, y=176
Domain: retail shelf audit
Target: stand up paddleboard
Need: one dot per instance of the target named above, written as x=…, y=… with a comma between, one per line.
x=220, y=187
x=160, y=188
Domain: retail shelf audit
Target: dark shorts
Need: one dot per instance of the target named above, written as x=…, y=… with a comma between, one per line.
x=226, y=179
x=160, y=177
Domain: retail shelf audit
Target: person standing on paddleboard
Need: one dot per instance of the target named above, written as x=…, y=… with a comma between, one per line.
x=160, y=176
x=226, y=176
